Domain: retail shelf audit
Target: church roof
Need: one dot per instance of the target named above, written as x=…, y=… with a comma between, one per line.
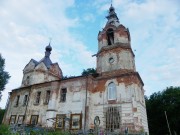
x=46, y=59
x=35, y=62
x=47, y=62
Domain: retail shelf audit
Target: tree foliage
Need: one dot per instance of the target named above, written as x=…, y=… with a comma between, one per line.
x=4, y=76
x=89, y=71
x=169, y=101
x=2, y=111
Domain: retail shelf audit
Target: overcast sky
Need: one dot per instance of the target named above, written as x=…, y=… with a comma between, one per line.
x=73, y=25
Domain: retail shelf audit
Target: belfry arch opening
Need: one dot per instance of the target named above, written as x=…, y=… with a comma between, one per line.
x=110, y=36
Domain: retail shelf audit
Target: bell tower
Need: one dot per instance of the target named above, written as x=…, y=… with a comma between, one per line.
x=123, y=86
x=114, y=46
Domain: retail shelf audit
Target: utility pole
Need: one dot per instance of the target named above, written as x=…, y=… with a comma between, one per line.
x=167, y=123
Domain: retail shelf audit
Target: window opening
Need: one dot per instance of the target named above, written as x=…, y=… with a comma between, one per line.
x=27, y=80
x=34, y=119
x=112, y=118
x=17, y=100
x=76, y=121
x=47, y=96
x=20, y=119
x=111, y=60
x=112, y=91
x=25, y=100
x=110, y=36
x=63, y=95
x=12, y=119
x=60, y=121
x=38, y=97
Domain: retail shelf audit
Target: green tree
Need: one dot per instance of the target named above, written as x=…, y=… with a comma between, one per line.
x=169, y=101
x=2, y=111
x=4, y=76
x=89, y=71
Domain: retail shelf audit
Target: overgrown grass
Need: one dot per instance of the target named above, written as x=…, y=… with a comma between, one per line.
x=58, y=133
x=4, y=130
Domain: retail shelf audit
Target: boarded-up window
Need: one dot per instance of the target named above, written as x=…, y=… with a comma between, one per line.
x=112, y=91
x=60, y=121
x=76, y=121
x=20, y=119
x=34, y=119
x=12, y=119
x=112, y=116
x=63, y=95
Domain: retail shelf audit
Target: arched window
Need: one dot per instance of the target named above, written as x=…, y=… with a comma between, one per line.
x=112, y=91
x=110, y=36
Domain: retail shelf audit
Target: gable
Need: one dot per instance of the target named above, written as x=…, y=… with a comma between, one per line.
x=55, y=69
x=41, y=67
x=30, y=66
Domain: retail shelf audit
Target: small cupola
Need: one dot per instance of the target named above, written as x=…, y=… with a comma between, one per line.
x=46, y=60
x=48, y=50
x=41, y=71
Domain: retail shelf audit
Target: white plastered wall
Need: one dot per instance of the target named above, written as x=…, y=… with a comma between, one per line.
x=122, y=60
x=128, y=98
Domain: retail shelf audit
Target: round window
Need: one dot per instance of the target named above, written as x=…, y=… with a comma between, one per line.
x=111, y=60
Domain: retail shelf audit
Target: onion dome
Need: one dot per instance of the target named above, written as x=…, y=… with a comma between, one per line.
x=49, y=48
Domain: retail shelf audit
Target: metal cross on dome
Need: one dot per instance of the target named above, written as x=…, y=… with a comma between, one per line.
x=50, y=39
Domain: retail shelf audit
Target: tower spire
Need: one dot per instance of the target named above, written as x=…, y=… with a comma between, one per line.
x=112, y=16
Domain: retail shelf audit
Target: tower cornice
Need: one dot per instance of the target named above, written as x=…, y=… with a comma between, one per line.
x=120, y=74
x=115, y=46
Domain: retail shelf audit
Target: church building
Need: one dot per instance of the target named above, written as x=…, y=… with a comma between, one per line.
x=113, y=97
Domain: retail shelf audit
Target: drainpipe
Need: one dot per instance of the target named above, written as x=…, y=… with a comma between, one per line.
x=27, y=104
x=85, y=104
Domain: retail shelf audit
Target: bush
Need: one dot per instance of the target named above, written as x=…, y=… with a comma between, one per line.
x=4, y=130
x=2, y=111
